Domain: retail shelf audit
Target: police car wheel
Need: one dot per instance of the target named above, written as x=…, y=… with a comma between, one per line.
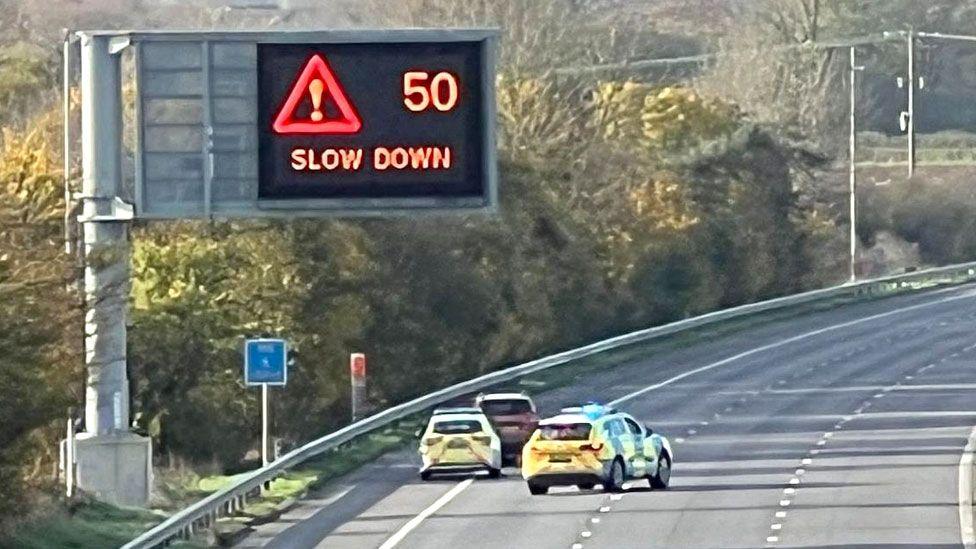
x=425, y=475
x=615, y=480
x=538, y=489
x=494, y=473
x=662, y=477
x=586, y=486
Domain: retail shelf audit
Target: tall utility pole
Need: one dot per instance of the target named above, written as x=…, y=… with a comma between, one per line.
x=852, y=163
x=911, y=103
x=66, y=142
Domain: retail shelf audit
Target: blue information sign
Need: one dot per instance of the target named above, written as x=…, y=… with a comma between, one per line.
x=265, y=362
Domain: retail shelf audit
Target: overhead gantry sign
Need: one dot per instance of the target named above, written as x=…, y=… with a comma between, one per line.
x=255, y=124
x=315, y=123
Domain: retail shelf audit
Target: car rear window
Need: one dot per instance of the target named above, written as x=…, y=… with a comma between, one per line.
x=571, y=431
x=506, y=407
x=457, y=427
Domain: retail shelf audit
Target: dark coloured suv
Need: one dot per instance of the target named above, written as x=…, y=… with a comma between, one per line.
x=515, y=419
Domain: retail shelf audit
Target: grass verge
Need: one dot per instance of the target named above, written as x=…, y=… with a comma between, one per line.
x=83, y=525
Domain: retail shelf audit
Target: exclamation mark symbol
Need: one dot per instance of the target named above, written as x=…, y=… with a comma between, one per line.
x=315, y=87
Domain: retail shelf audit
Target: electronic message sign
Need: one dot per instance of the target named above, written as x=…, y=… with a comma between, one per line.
x=374, y=121
x=285, y=124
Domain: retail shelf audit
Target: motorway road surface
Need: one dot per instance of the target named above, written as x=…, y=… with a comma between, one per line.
x=842, y=428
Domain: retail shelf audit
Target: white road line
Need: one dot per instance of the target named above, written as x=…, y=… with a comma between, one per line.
x=307, y=508
x=781, y=343
x=966, y=489
x=415, y=521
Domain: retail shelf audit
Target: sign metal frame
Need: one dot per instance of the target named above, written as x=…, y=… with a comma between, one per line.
x=487, y=203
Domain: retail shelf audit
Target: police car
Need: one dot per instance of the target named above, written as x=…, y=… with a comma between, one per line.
x=459, y=440
x=594, y=444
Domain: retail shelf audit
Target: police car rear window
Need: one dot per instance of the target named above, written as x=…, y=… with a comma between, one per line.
x=457, y=427
x=570, y=431
x=506, y=407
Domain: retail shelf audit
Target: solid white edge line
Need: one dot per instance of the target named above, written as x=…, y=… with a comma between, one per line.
x=781, y=343
x=396, y=538
x=966, y=489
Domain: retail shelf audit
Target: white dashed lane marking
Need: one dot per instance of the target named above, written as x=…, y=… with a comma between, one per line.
x=793, y=483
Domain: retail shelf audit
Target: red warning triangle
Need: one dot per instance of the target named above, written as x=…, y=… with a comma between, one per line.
x=318, y=83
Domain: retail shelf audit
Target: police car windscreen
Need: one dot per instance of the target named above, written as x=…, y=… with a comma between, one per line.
x=569, y=431
x=457, y=427
x=506, y=407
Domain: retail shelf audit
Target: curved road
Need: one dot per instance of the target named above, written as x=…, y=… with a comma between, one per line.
x=839, y=428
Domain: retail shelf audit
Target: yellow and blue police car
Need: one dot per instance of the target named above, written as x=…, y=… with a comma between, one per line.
x=459, y=440
x=594, y=444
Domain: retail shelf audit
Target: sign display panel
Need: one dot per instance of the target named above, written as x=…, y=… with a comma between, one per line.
x=313, y=123
x=265, y=362
x=376, y=121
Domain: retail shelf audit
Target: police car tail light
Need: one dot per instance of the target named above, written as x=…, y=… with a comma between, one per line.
x=432, y=440
x=592, y=447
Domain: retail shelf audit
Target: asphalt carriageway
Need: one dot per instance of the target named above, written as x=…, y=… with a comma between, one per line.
x=840, y=428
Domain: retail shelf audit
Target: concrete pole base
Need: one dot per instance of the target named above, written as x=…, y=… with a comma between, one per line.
x=115, y=468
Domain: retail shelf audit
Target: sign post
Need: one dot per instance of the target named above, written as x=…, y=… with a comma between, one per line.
x=357, y=377
x=264, y=425
x=265, y=363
